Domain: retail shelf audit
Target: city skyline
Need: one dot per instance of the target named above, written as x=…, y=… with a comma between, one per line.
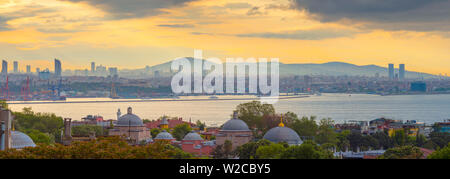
x=157, y=31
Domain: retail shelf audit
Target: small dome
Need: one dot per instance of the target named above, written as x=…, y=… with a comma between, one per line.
x=192, y=136
x=20, y=140
x=235, y=124
x=283, y=134
x=129, y=119
x=164, y=135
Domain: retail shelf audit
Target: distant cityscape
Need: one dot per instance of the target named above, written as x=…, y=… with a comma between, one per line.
x=154, y=81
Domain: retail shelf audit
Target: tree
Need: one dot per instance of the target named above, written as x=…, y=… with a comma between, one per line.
x=272, y=151
x=306, y=127
x=342, y=142
x=40, y=137
x=223, y=151
x=85, y=130
x=253, y=112
x=356, y=140
x=43, y=122
x=102, y=148
x=402, y=152
x=181, y=130
x=383, y=140
x=441, y=139
x=420, y=140
x=154, y=132
x=200, y=125
x=248, y=150
x=308, y=150
x=443, y=153
x=399, y=138
x=326, y=132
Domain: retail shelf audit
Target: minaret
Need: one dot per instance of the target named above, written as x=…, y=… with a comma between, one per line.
x=118, y=113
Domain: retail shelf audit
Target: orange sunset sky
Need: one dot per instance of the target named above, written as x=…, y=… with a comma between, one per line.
x=135, y=33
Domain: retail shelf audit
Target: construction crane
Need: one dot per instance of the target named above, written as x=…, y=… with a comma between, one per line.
x=25, y=91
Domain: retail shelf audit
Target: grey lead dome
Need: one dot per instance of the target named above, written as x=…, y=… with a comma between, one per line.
x=164, y=135
x=129, y=119
x=235, y=124
x=283, y=134
x=20, y=140
x=192, y=136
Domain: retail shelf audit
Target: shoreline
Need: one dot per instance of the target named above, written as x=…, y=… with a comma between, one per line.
x=152, y=100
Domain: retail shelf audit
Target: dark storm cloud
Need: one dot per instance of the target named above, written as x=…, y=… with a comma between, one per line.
x=403, y=14
x=133, y=8
x=313, y=34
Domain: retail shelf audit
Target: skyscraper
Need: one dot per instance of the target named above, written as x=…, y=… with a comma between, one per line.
x=92, y=67
x=28, y=69
x=401, y=72
x=16, y=67
x=4, y=67
x=38, y=70
x=391, y=71
x=57, y=68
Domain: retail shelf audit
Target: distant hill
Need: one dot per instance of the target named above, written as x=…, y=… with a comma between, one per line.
x=327, y=69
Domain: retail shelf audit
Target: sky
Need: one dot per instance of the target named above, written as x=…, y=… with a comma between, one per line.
x=135, y=33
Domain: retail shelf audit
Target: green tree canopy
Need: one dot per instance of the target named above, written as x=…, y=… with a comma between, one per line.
x=402, y=152
x=181, y=130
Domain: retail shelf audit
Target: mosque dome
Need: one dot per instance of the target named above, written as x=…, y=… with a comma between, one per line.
x=192, y=136
x=129, y=119
x=283, y=134
x=235, y=124
x=164, y=135
x=20, y=140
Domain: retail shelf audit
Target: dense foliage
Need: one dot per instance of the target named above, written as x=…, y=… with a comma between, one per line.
x=41, y=127
x=85, y=130
x=102, y=148
x=443, y=153
x=402, y=152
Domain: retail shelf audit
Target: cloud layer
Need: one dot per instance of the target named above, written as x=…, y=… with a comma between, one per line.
x=388, y=14
x=133, y=8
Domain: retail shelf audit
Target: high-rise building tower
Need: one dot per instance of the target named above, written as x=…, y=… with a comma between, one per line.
x=38, y=70
x=16, y=67
x=391, y=71
x=28, y=69
x=4, y=67
x=401, y=72
x=58, y=68
x=92, y=67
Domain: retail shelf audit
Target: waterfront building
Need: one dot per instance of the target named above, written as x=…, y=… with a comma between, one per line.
x=418, y=87
x=92, y=67
x=283, y=134
x=4, y=67
x=401, y=72
x=391, y=71
x=58, y=68
x=132, y=128
x=195, y=144
x=16, y=66
x=234, y=130
x=442, y=126
x=28, y=69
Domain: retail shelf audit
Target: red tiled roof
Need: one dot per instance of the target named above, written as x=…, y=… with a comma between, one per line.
x=172, y=123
